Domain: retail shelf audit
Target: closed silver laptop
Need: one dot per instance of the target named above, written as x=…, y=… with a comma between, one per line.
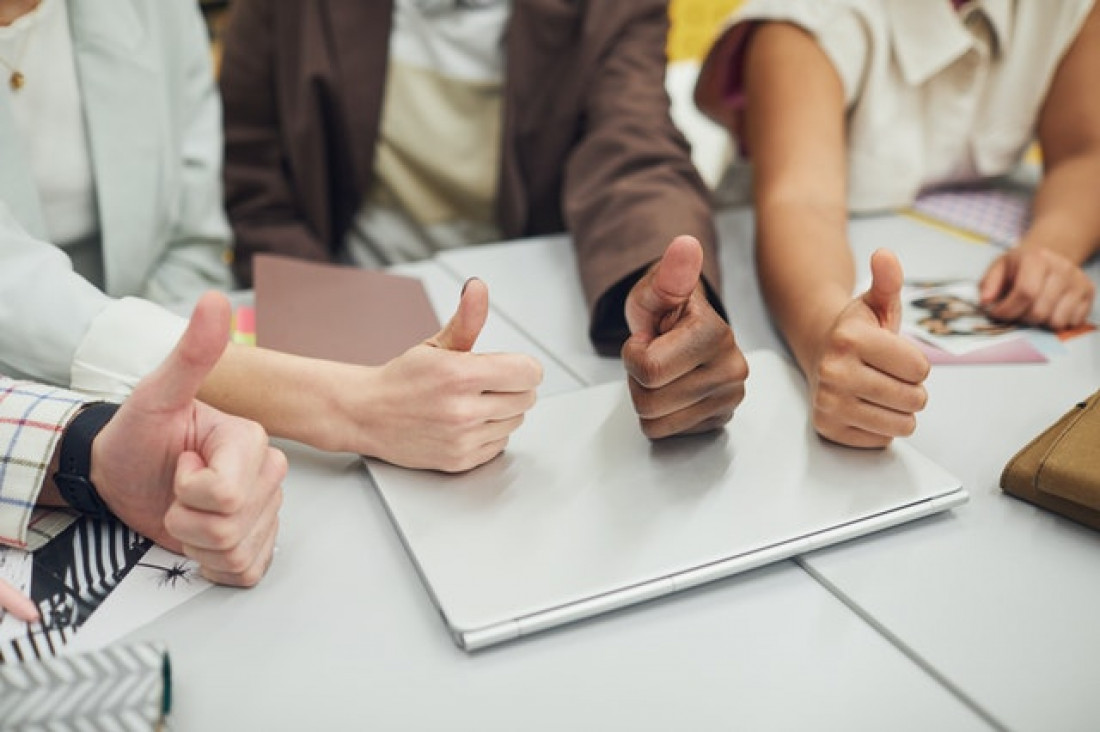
x=582, y=514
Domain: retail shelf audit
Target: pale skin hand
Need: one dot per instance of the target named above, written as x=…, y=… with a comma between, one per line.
x=16, y=603
x=436, y=406
x=187, y=476
x=1040, y=281
x=866, y=380
x=685, y=372
x=440, y=406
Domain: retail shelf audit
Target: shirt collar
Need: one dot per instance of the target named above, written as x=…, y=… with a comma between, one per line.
x=929, y=36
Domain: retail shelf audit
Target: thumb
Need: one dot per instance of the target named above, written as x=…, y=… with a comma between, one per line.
x=176, y=381
x=461, y=331
x=884, y=295
x=993, y=281
x=667, y=287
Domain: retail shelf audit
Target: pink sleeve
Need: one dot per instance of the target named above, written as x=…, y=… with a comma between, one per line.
x=733, y=90
x=720, y=91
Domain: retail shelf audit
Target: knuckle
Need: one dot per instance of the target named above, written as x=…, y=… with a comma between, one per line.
x=908, y=426
x=258, y=431
x=647, y=371
x=830, y=372
x=453, y=374
x=653, y=429
x=228, y=499
x=246, y=577
x=173, y=520
x=1028, y=289
x=529, y=399
x=459, y=457
x=221, y=535
x=645, y=402
x=824, y=403
x=278, y=462
x=844, y=338
x=924, y=370
x=457, y=413
x=536, y=372
x=921, y=399
x=237, y=561
x=277, y=499
x=821, y=419
x=716, y=421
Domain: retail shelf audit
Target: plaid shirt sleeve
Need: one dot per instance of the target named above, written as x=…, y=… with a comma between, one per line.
x=32, y=420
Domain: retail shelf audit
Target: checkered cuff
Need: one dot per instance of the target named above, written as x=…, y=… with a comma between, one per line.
x=32, y=419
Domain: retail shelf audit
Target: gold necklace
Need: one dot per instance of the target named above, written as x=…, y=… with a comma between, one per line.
x=16, y=80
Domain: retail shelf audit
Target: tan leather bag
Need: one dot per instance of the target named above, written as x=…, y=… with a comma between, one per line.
x=1060, y=469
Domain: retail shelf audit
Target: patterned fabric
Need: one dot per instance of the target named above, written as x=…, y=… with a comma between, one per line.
x=32, y=419
x=124, y=687
x=1000, y=215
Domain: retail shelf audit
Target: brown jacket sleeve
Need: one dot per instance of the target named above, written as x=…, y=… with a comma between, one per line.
x=630, y=185
x=259, y=201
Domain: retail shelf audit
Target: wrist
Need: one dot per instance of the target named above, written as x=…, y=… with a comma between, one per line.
x=345, y=395
x=809, y=333
x=356, y=430
x=1057, y=236
x=75, y=477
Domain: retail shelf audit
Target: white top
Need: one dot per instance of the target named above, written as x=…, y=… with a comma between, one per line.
x=934, y=95
x=437, y=159
x=49, y=117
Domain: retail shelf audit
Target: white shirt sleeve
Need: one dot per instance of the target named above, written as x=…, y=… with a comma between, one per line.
x=128, y=339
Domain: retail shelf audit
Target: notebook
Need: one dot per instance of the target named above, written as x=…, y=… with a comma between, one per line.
x=582, y=514
x=339, y=312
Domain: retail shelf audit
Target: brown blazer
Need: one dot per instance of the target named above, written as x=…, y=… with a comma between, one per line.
x=588, y=147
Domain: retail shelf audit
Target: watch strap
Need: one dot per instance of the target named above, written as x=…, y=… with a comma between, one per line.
x=73, y=476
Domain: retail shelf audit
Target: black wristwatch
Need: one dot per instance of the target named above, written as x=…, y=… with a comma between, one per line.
x=73, y=476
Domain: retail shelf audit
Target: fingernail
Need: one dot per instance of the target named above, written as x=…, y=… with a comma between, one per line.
x=465, y=285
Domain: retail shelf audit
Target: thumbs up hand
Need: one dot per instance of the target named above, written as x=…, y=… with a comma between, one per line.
x=685, y=371
x=867, y=381
x=441, y=406
x=461, y=331
x=191, y=478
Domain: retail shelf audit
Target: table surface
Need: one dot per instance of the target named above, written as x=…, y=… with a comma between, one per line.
x=981, y=618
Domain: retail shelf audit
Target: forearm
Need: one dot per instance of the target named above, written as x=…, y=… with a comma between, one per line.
x=1065, y=217
x=302, y=399
x=805, y=269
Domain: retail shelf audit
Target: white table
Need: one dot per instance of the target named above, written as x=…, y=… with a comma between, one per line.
x=342, y=635
x=997, y=600
x=1000, y=598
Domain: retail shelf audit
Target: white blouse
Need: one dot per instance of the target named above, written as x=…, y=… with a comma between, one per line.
x=49, y=115
x=934, y=95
